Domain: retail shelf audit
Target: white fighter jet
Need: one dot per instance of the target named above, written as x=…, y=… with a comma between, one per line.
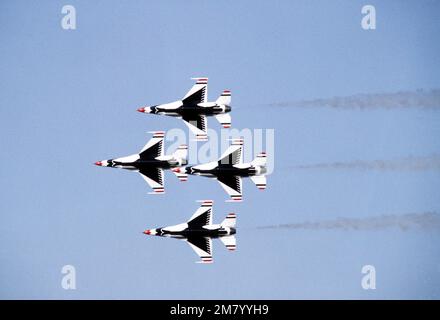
x=151, y=161
x=194, y=108
x=199, y=231
x=229, y=170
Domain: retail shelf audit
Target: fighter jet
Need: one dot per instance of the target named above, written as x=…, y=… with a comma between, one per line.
x=194, y=108
x=229, y=170
x=151, y=161
x=199, y=231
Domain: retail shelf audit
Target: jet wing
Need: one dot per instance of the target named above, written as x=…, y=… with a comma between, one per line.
x=232, y=156
x=154, y=147
x=197, y=125
x=232, y=185
x=203, y=247
x=198, y=93
x=202, y=216
x=154, y=177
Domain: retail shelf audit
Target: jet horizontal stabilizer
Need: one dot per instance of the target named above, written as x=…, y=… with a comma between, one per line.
x=225, y=98
x=230, y=242
x=260, y=181
x=224, y=119
x=229, y=221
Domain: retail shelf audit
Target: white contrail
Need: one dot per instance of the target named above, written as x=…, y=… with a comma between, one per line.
x=431, y=162
x=425, y=220
x=402, y=99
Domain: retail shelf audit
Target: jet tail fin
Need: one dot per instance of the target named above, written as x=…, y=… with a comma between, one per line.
x=229, y=221
x=260, y=160
x=225, y=98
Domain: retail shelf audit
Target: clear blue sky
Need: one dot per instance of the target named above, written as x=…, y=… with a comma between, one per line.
x=68, y=98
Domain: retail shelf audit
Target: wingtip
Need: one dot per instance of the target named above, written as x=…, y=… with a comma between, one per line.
x=201, y=137
x=157, y=134
x=237, y=141
x=157, y=192
x=206, y=203
x=206, y=261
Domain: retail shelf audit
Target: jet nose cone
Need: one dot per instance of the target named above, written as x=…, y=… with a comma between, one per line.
x=146, y=109
x=98, y=163
x=147, y=231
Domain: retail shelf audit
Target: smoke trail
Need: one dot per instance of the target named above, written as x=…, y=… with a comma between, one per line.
x=425, y=220
x=402, y=99
x=406, y=164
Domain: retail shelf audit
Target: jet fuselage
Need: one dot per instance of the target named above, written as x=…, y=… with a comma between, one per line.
x=222, y=170
x=187, y=110
x=141, y=164
x=194, y=232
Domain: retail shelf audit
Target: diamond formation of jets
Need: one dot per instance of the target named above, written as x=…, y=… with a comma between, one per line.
x=230, y=169
x=151, y=161
x=194, y=108
x=199, y=231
